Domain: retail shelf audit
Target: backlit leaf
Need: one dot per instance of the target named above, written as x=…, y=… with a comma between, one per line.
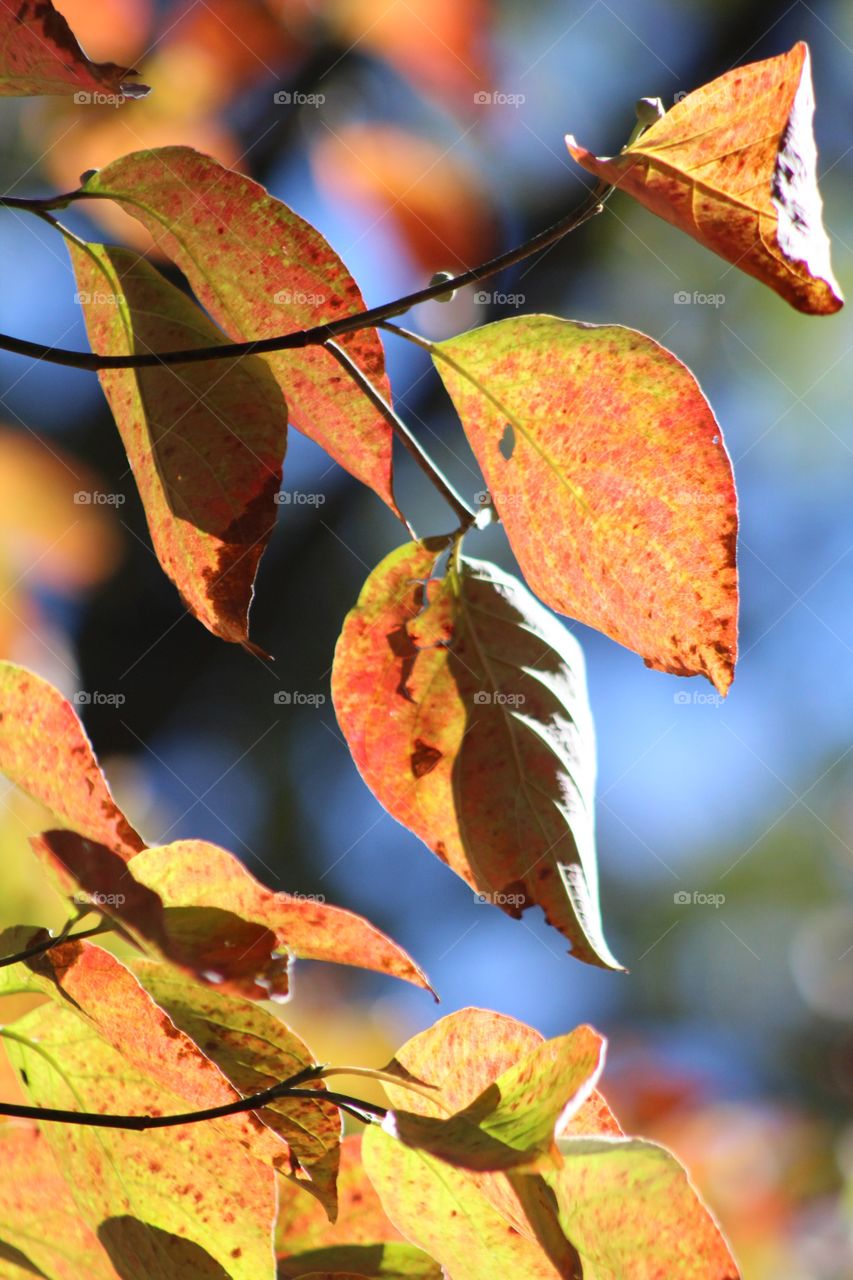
x=206, y=441
x=45, y=751
x=197, y=880
x=469, y=720
x=608, y=469
x=512, y=1123
x=39, y=54
x=734, y=164
x=41, y=1231
x=595, y=1220
x=105, y=995
x=630, y=1211
x=181, y=1201
x=362, y=1239
x=254, y=1049
x=260, y=270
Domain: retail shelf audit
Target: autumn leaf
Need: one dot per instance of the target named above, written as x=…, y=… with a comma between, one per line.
x=45, y=751
x=104, y=994
x=206, y=441
x=608, y=469
x=579, y=1220
x=468, y=718
x=254, y=1050
x=630, y=1210
x=260, y=271
x=200, y=883
x=166, y=1202
x=362, y=1239
x=41, y=1231
x=193, y=902
x=39, y=54
x=512, y=1123
x=734, y=164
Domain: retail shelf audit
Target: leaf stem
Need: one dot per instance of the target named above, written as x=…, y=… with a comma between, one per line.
x=402, y=432
x=316, y=336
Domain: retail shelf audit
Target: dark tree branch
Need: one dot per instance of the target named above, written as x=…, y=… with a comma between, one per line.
x=316, y=336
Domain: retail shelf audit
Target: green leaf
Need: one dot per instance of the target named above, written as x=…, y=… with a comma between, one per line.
x=513, y=1122
x=260, y=271
x=45, y=751
x=464, y=704
x=206, y=441
x=608, y=469
x=397, y=1261
x=630, y=1210
x=39, y=54
x=165, y=1203
x=41, y=1231
x=254, y=1049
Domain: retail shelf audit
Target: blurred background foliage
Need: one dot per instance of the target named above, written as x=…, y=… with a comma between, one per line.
x=421, y=135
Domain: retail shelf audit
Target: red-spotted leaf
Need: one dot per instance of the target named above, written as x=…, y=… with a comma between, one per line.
x=105, y=995
x=254, y=1049
x=178, y=1201
x=45, y=751
x=608, y=469
x=41, y=1231
x=579, y=1220
x=464, y=706
x=39, y=54
x=206, y=441
x=260, y=271
x=197, y=906
x=362, y=1239
x=734, y=164
x=474, y=1224
x=206, y=891
x=630, y=1211
x=513, y=1122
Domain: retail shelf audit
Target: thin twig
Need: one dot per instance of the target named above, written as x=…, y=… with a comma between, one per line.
x=39, y=948
x=426, y=464
x=285, y=1089
x=316, y=336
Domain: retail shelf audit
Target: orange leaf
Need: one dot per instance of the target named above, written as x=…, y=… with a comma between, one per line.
x=41, y=1231
x=734, y=164
x=179, y=1201
x=205, y=441
x=45, y=751
x=39, y=54
x=198, y=881
x=260, y=270
x=608, y=469
x=469, y=721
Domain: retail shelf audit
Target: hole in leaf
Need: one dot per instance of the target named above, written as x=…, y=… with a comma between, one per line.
x=507, y=443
